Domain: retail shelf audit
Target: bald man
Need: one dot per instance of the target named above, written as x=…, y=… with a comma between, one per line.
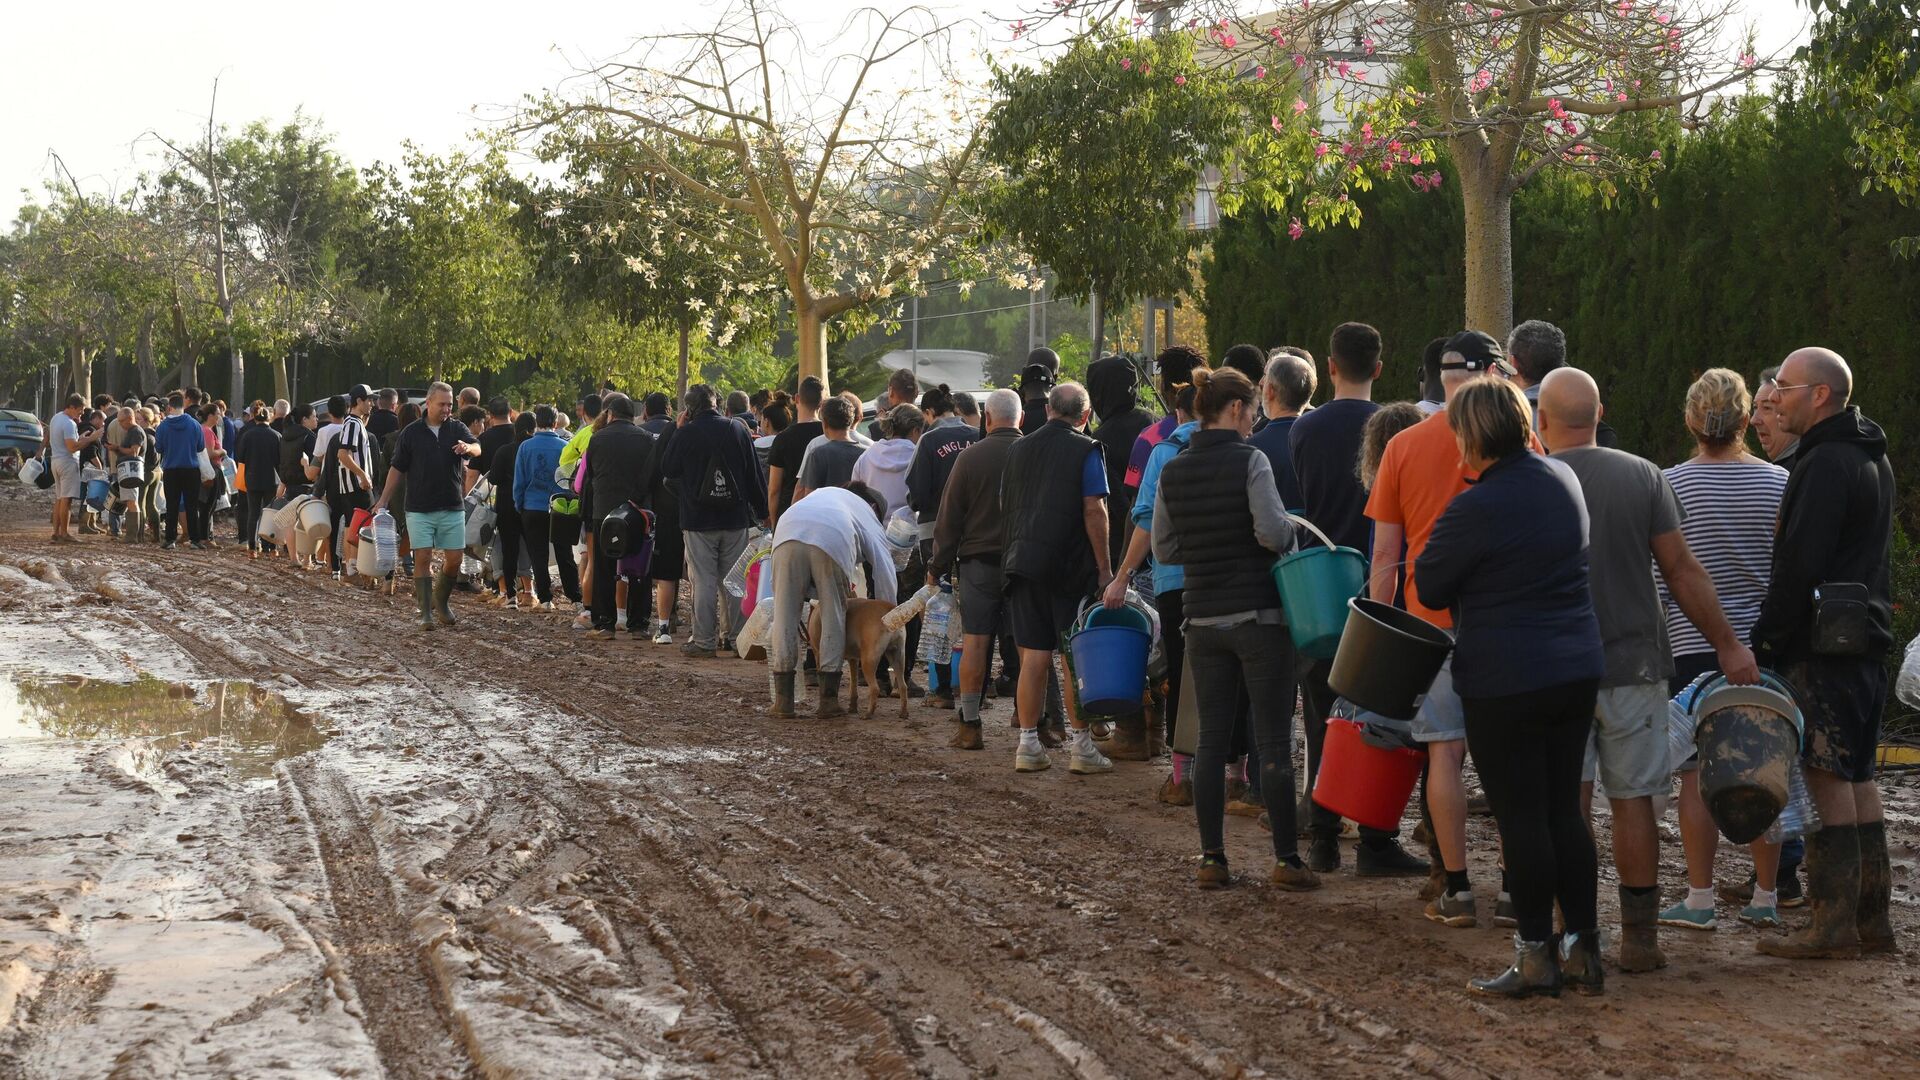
x=1826, y=625
x=1633, y=514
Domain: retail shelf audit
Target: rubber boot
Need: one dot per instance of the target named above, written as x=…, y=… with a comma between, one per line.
x=1580, y=962
x=782, y=707
x=1640, y=932
x=1876, y=890
x=830, y=704
x=423, y=596
x=1535, y=970
x=1833, y=892
x=442, y=589
x=1129, y=741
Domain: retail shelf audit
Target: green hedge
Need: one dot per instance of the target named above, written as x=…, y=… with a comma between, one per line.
x=1753, y=241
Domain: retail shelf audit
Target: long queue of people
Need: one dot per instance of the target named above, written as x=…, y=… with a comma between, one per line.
x=1583, y=586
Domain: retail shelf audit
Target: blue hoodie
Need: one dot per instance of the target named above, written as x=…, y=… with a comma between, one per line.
x=1166, y=578
x=533, y=468
x=180, y=439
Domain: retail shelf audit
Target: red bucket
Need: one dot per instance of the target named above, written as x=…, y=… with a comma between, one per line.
x=1362, y=782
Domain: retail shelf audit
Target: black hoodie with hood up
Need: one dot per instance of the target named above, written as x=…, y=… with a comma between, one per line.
x=1836, y=525
x=1113, y=391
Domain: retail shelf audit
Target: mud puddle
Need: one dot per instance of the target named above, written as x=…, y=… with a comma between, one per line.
x=250, y=727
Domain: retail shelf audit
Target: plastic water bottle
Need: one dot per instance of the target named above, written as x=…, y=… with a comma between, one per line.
x=386, y=542
x=1682, y=721
x=933, y=627
x=1798, y=818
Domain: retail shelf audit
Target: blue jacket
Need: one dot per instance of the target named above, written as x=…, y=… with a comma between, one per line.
x=710, y=437
x=533, y=466
x=1166, y=577
x=1509, y=557
x=180, y=440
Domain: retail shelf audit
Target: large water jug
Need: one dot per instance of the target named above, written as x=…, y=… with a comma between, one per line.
x=934, y=648
x=386, y=542
x=1798, y=818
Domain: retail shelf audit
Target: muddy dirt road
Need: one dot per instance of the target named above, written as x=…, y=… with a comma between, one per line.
x=307, y=839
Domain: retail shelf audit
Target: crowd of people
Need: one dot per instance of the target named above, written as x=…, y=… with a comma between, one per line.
x=1583, y=586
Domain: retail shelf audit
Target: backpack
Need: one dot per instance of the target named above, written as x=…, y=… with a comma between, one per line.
x=717, y=488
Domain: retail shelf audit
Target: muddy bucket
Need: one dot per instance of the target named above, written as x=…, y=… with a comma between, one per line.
x=1387, y=658
x=1747, y=737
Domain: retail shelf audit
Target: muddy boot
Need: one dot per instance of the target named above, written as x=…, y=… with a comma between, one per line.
x=423, y=596
x=782, y=707
x=1876, y=890
x=830, y=705
x=1640, y=932
x=442, y=590
x=1129, y=741
x=1580, y=962
x=966, y=737
x=1535, y=970
x=1833, y=886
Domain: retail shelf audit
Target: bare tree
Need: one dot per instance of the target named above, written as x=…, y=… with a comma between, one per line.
x=853, y=168
x=204, y=160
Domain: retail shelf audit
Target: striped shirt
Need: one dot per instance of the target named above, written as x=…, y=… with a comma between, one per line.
x=352, y=438
x=1732, y=508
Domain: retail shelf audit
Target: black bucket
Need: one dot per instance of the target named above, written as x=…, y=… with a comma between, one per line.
x=1748, y=737
x=1387, y=658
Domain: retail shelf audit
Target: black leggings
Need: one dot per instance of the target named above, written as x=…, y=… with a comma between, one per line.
x=252, y=505
x=506, y=522
x=1260, y=658
x=183, y=497
x=340, y=508
x=538, y=529
x=1528, y=749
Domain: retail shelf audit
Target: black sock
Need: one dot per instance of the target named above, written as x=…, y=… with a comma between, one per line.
x=1639, y=890
x=1293, y=860
x=1457, y=882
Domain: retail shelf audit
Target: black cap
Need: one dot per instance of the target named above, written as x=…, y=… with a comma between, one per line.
x=360, y=392
x=1478, y=351
x=1044, y=357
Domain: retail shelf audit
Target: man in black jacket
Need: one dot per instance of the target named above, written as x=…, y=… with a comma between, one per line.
x=721, y=493
x=621, y=462
x=1054, y=554
x=1826, y=624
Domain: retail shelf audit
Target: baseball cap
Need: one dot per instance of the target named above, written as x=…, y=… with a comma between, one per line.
x=360, y=392
x=1478, y=351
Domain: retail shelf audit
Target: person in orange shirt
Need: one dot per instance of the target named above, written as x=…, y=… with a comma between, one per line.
x=1420, y=474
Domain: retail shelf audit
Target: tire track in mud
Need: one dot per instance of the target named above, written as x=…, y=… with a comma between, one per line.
x=399, y=1002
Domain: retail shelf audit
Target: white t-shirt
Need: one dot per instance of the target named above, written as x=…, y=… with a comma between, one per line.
x=841, y=524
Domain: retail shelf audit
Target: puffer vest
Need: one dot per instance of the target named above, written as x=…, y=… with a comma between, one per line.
x=1204, y=489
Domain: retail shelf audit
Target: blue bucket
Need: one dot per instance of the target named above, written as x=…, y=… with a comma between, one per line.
x=1110, y=649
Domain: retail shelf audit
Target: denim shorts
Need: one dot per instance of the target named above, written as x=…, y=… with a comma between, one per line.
x=438, y=530
x=1441, y=717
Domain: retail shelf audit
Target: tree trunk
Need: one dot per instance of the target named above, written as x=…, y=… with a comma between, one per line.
x=80, y=369
x=685, y=349
x=813, y=343
x=1489, y=251
x=147, y=378
x=110, y=354
x=281, y=389
x=1096, y=325
x=183, y=343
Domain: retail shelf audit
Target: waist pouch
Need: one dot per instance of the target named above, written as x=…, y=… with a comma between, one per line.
x=1842, y=620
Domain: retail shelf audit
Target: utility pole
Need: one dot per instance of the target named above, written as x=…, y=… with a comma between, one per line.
x=1146, y=339
x=914, y=338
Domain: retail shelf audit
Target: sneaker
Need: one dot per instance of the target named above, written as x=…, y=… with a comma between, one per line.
x=1764, y=917
x=1504, y=913
x=1688, y=918
x=1175, y=794
x=1212, y=872
x=620, y=621
x=1034, y=760
x=1288, y=878
x=695, y=652
x=168, y=546
x=1086, y=758
x=1791, y=894
x=512, y=604
x=1387, y=860
x=602, y=634
x=662, y=637
x=1240, y=803
x=1454, y=909
x=583, y=621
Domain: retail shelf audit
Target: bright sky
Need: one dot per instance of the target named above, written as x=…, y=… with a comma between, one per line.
x=87, y=79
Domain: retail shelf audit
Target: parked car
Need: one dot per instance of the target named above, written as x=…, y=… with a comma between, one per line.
x=21, y=431
x=416, y=395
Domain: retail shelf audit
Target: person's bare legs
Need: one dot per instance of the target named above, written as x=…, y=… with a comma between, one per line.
x=62, y=510
x=1836, y=799
x=1447, y=800
x=1766, y=864
x=666, y=594
x=1636, y=842
x=1031, y=694
x=1699, y=836
x=973, y=661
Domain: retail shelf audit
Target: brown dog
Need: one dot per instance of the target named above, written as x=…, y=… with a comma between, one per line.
x=867, y=643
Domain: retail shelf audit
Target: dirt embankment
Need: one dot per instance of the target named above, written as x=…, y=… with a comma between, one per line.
x=521, y=853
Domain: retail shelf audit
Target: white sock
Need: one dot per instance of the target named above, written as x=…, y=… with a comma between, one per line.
x=1765, y=897
x=1029, y=739
x=1082, y=738
x=1699, y=899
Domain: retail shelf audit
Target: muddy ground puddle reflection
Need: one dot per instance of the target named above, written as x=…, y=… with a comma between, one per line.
x=250, y=726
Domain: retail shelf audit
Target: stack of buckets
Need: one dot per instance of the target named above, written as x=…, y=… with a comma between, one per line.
x=1383, y=661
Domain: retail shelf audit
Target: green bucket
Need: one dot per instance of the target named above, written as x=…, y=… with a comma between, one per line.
x=1315, y=586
